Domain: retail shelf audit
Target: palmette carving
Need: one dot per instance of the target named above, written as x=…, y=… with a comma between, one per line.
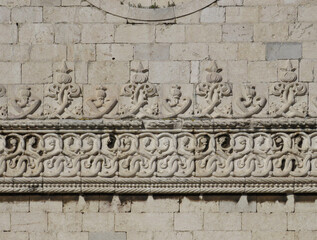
x=213, y=91
x=159, y=155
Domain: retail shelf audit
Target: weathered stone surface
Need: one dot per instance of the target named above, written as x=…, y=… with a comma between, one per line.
x=275, y=51
x=107, y=236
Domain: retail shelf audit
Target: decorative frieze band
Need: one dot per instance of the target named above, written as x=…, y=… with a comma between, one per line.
x=141, y=99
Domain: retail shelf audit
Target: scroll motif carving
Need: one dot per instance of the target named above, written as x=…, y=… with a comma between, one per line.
x=161, y=155
x=288, y=92
x=143, y=102
x=63, y=92
x=213, y=91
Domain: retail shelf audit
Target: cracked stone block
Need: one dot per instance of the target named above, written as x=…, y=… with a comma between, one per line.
x=275, y=51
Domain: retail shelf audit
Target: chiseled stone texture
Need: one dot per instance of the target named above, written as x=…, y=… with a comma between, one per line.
x=113, y=217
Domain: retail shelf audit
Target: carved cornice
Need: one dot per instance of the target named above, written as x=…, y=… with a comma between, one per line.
x=141, y=137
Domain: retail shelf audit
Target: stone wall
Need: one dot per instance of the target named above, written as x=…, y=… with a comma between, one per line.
x=105, y=217
x=133, y=97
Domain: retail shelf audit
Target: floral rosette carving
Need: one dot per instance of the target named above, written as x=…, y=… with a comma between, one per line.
x=63, y=92
x=140, y=92
x=213, y=91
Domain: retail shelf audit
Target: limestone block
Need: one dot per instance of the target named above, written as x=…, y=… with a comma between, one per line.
x=262, y=71
x=275, y=51
x=242, y=14
x=251, y=51
x=170, y=33
x=189, y=51
x=81, y=52
x=119, y=52
x=82, y=204
x=237, y=71
x=38, y=204
x=98, y=222
x=172, y=235
x=306, y=13
x=114, y=204
x=97, y=33
x=81, y=72
x=64, y=222
x=203, y=33
x=275, y=204
x=59, y=14
x=230, y=3
x=91, y=15
x=263, y=235
x=194, y=71
x=237, y=32
x=312, y=107
x=25, y=99
x=170, y=71
x=144, y=222
x=189, y=19
x=306, y=203
x=259, y=2
x=213, y=15
x=302, y=221
x=307, y=70
x=108, y=72
x=10, y=73
x=270, y=32
x=5, y=222
x=155, y=205
x=156, y=52
x=48, y=52
x=140, y=235
x=221, y=235
x=238, y=204
x=14, y=236
x=222, y=221
x=15, y=53
x=278, y=14
x=302, y=31
x=46, y=3
x=28, y=222
x=188, y=221
x=309, y=50
x=194, y=204
x=14, y=203
x=33, y=72
x=306, y=235
x=223, y=51
x=4, y=15
x=72, y=236
x=107, y=236
x=140, y=33
x=264, y=222
x=115, y=19
x=26, y=14
x=36, y=33
x=67, y=33
x=43, y=236
x=9, y=33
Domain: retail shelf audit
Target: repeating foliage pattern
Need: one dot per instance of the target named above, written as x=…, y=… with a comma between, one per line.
x=139, y=98
x=161, y=155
